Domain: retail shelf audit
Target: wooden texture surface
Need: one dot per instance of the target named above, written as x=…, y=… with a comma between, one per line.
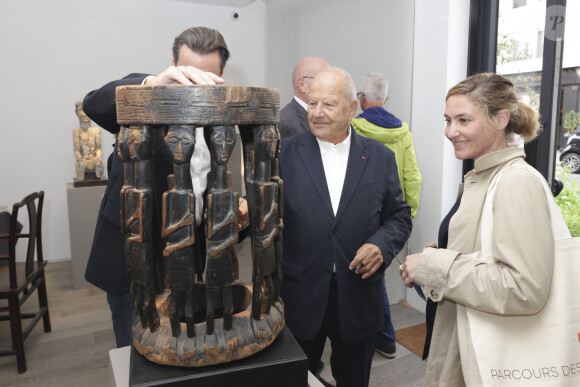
x=197, y=105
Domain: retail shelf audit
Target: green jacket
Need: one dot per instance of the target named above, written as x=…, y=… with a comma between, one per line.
x=400, y=141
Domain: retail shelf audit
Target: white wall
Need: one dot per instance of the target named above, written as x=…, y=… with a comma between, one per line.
x=439, y=62
x=54, y=52
x=358, y=36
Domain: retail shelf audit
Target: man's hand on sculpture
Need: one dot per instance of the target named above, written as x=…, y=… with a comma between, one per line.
x=367, y=261
x=184, y=75
x=243, y=214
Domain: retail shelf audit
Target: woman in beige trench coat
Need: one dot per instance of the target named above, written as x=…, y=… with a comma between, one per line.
x=483, y=115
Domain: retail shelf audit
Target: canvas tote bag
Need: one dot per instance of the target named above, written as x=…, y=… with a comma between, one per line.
x=541, y=349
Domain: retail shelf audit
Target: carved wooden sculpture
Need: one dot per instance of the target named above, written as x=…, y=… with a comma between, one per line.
x=138, y=226
x=87, y=147
x=178, y=226
x=263, y=206
x=193, y=323
x=222, y=228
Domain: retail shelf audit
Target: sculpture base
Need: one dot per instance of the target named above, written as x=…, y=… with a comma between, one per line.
x=282, y=364
x=246, y=337
x=89, y=182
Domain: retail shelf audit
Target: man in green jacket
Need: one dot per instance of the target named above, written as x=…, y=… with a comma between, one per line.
x=377, y=123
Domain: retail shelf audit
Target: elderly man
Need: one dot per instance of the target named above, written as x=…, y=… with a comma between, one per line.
x=345, y=220
x=293, y=117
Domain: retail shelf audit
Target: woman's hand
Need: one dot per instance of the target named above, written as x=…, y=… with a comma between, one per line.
x=408, y=269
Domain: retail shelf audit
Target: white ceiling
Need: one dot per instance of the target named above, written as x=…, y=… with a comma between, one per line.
x=229, y=3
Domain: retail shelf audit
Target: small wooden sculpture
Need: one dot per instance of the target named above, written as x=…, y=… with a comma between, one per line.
x=87, y=147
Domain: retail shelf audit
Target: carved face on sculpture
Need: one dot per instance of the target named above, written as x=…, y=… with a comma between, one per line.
x=267, y=143
x=139, y=143
x=180, y=140
x=223, y=139
x=122, y=146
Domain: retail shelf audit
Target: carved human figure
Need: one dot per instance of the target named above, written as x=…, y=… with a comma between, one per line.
x=278, y=239
x=265, y=222
x=87, y=146
x=221, y=228
x=128, y=183
x=137, y=226
x=178, y=226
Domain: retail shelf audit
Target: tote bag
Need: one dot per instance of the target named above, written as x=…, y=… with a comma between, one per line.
x=534, y=350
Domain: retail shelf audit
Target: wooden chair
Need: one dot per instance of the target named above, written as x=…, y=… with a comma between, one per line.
x=18, y=280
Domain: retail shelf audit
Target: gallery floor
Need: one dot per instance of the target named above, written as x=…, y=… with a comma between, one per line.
x=76, y=352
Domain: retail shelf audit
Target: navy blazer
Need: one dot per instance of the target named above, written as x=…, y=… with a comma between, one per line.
x=106, y=265
x=293, y=120
x=371, y=209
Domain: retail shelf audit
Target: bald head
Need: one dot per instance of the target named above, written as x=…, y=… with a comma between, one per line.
x=303, y=74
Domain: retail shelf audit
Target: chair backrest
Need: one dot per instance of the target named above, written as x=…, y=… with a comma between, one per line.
x=34, y=234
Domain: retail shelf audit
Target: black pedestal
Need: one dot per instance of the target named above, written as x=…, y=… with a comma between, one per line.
x=87, y=182
x=282, y=364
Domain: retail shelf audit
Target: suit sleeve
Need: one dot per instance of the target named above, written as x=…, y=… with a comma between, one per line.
x=395, y=216
x=100, y=104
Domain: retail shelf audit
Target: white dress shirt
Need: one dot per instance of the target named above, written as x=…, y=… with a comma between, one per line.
x=334, y=161
x=200, y=166
x=301, y=103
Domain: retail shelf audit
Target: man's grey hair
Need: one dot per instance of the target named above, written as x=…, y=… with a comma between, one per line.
x=375, y=87
x=349, y=87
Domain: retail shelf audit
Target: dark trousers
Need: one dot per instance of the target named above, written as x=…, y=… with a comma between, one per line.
x=385, y=338
x=122, y=312
x=350, y=362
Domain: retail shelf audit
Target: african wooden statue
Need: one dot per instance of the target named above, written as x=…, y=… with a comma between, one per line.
x=128, y=183
x=200, y=320
x=137, y=226
x=222, y=228
x=265, y=222
x=278, y=239
x=87, y=147
x=178, y=226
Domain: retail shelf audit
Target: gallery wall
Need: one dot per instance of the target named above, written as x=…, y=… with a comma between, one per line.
x=54, y=52
x=358, y=36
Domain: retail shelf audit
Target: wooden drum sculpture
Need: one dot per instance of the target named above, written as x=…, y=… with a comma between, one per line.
x=186, y=317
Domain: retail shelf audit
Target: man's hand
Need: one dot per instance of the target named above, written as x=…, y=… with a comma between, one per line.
x=367, y=261
x=184, y=75
x=243, y=214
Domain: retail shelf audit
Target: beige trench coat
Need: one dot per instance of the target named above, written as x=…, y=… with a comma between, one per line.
x=518, y=280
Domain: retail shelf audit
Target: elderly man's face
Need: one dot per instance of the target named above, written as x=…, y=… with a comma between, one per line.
x=329, y=110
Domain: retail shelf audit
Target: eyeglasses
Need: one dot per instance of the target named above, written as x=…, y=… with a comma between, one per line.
x=359, y=93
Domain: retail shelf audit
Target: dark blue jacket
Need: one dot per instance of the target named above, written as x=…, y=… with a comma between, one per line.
x=371, y=210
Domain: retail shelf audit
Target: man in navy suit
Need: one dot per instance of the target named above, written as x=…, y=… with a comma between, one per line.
x=199, y=57
x=344, y=221
x=293, y=117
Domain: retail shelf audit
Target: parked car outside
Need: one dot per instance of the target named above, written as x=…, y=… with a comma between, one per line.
x=570, y=156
